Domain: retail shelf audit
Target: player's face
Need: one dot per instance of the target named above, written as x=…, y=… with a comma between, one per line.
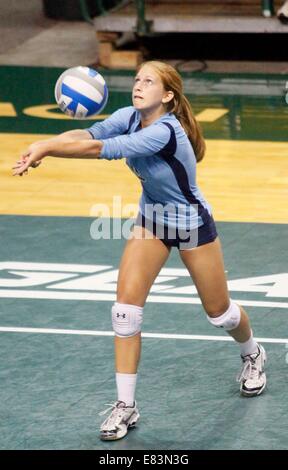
x=148, y=90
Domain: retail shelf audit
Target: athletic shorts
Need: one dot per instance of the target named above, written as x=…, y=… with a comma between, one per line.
x=181, y=239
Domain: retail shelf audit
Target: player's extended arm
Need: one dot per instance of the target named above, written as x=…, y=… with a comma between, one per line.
x=61, y=147
x=75, y=134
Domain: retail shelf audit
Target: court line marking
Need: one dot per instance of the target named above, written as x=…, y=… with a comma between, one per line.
x=7, y=109
x=56, y=295
x=9, y=329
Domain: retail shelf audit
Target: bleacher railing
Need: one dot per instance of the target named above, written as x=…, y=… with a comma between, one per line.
x=144, y=26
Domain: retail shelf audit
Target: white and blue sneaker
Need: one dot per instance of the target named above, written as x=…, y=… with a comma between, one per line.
x=121, y=419
x=252, y=377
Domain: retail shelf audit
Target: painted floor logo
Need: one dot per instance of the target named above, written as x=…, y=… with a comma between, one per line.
x=98, y=283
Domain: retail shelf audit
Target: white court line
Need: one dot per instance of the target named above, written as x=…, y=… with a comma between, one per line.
x=74, y=268
x=9, y=329
x=56, y=295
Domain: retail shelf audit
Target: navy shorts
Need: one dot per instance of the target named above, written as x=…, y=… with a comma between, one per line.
x=181, y=239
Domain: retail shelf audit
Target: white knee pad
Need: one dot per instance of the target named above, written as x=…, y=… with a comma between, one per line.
x=126, y=319
x=229, y=320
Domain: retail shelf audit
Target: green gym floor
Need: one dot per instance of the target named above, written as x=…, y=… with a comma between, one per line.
x=57, y=284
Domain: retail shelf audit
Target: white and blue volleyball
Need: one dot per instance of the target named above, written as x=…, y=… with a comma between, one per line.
x=81, y=92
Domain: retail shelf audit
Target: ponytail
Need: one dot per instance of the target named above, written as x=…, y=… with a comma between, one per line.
x=184, y=114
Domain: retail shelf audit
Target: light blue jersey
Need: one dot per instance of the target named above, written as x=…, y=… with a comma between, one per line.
x=162, y=158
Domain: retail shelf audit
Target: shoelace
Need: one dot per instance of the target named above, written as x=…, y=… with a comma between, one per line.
x=111, y=406
x=248, y=371
x=116, y=416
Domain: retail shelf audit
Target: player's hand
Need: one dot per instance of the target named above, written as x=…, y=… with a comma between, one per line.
x=31, y=158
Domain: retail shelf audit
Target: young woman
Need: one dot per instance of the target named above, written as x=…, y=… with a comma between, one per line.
x=162, y=142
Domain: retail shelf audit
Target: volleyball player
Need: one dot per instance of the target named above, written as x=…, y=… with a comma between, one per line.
x=161, y=141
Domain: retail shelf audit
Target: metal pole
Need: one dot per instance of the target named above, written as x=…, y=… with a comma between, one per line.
x=143, y=26
x=85, y=12
x=268, y=8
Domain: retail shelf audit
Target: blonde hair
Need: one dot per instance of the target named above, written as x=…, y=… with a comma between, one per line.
x=179, y=105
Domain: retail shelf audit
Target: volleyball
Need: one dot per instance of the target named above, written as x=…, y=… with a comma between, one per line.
x=81, y=92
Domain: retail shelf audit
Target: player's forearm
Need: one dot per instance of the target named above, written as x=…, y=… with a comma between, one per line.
x=75, y=149
x=75, y=134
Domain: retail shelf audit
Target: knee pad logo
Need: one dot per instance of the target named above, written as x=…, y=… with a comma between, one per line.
x=126, y=320
x=121, y=315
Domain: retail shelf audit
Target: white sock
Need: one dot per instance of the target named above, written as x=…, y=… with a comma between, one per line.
x=248, y=347
x=126, y=385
